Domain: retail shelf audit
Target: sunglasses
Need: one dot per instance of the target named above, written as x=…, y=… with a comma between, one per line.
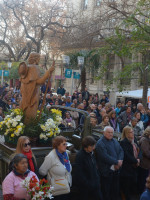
x=27, y=144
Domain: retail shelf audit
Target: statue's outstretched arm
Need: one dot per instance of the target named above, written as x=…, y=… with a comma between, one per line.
x=48, y=74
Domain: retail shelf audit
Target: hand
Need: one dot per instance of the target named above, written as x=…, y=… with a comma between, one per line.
x=52, y=67
x=116, y=167
x=138, y=160
x=120, y=163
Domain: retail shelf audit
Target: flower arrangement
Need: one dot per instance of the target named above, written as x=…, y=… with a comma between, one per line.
x=12, y=126
x=37, y=189
x=50, y=127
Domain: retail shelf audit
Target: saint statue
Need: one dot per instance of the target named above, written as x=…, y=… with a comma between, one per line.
x=30, y=86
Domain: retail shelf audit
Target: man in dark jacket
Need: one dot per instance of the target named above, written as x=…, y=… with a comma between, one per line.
x=109, y=159
x=61, y=90
x=85, y=95
x=86, y=173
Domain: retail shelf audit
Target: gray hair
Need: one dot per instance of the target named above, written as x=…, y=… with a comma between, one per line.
x=139, y=104
x=108, y=127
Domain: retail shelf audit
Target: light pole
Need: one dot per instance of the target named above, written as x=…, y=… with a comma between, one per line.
x=66, y=62
x=81, y=65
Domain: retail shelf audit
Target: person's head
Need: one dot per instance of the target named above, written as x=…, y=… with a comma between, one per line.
x=59, y=96
x=86, y=89
x=140, y=106
x=134, y=121
x=93, y=107
x=103, y=112
x=128, y=109
x=93, y=121
x=88, y=144
x=147, y=132
x=75, y=101
x=148, y=182
x=56, y=102
x=20, y=163
x=60, y=143
x=67, y=114
x=104, y=97
x=137, y=115
x=81, y=106
x=23, y=144
x=108, y=132
x=89, y=110
x=119, y=104
x=67, y=94
x=84, y=102
x=34, y=58
x=128, y=133
x=129, y=102
x=105, y=119
x=73, y=105
x=9, y=102
x=99, y=107
x=112, y=114
x=68, y=99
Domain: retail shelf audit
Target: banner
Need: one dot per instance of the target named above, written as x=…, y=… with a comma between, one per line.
x=68, y=73
x=76, y=75
x=5, y=73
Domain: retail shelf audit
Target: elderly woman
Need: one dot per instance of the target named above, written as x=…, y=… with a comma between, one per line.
x=105, y=122
x=58, y=169
x=86, y=173
x=145, y=162
x=68, y=121
x=130, y=163
x=24, y=147
x=12, y=188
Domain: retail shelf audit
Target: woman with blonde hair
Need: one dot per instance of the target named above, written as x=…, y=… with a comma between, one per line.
x=24, y=147
x=130, y=163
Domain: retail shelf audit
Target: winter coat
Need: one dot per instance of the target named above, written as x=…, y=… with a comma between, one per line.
x=145, y=148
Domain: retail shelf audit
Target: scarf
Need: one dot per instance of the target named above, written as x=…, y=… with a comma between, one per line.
x=29, y=156
x=113, y=121
x=22, y=176
x=63, y=157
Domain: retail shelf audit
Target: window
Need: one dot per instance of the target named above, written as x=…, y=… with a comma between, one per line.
x=98, y=2
x=85, y=4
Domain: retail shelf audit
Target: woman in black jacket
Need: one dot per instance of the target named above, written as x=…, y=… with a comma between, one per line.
x=86, y=173
x=131, y=161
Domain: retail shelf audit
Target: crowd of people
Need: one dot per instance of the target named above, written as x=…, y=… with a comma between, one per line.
x=104, y=170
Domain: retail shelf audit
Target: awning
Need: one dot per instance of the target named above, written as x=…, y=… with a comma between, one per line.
x=137, y=94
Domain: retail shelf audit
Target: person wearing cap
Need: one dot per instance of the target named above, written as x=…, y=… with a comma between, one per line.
x=30, y=85
x=146, y=194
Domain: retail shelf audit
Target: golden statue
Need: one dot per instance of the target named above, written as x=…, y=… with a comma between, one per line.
x=30, y=85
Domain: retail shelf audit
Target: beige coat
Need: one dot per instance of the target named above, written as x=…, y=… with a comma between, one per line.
x=57, y=174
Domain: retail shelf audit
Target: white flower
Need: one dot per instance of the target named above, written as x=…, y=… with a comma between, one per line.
x=14, y=124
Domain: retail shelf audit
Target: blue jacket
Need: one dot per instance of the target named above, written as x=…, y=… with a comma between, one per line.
x=145, y=195
x=104, y=155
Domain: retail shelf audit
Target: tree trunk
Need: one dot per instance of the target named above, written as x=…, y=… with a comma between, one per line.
x=145, y=78
x=83, y=79
x=145, y=87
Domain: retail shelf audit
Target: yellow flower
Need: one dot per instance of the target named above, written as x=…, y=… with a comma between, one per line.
x=12, y=135
x=57, y=112
x=19, y=127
